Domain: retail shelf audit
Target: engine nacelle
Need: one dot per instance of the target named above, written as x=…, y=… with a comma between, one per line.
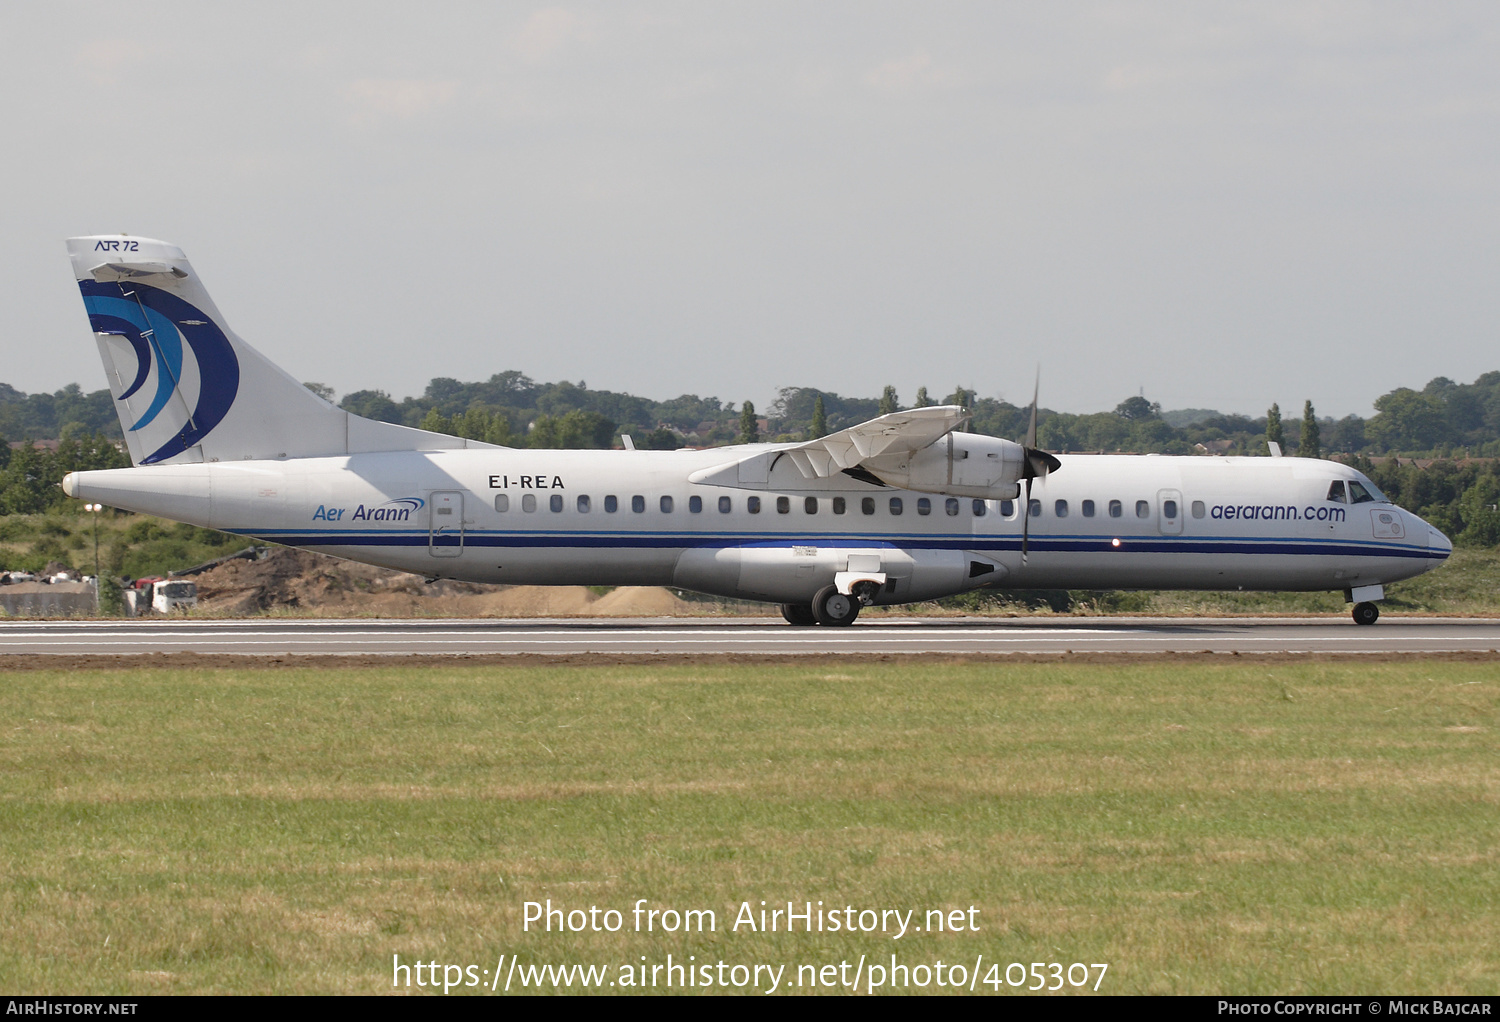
x=958, y=465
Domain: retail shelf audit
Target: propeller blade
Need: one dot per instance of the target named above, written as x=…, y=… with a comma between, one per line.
x=1038, y=463
x=1031, y=430
x=1026, y=521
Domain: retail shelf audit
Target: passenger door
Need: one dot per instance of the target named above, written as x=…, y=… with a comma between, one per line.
x=445, y=533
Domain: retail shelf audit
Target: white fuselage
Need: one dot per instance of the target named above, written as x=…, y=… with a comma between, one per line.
x=634, y=518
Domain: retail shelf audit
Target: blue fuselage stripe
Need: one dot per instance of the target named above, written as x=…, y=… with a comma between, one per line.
x=661, y=540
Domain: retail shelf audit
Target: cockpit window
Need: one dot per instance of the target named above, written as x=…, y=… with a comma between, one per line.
x=1336, y=491
x=1358, y=494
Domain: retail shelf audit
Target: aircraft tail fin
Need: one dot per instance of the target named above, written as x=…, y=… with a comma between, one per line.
x=187, y=388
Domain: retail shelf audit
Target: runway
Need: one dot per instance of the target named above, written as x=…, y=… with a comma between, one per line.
x=752, y=636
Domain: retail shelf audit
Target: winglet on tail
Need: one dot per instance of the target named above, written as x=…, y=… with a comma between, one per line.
x=187, y=389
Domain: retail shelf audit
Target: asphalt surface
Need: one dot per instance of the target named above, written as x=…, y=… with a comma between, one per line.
x=756, y=636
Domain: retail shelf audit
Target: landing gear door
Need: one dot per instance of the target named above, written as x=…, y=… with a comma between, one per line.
x=445, y=535
x=1169, y=512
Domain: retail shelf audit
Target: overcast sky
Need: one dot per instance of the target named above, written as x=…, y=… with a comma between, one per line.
x=1223, y=204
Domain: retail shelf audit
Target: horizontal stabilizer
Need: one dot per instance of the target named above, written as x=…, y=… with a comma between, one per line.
x=137, y=271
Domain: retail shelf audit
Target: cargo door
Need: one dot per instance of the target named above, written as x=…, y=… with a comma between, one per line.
x=1169, y=512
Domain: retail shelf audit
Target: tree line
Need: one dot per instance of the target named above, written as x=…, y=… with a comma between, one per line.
x=1459, y=424
x=31, y=476
x=1443, y=419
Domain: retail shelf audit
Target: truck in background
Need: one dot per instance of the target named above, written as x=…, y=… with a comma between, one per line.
x=159, y=595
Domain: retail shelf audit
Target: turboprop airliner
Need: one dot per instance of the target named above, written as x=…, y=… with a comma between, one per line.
x=902, y=508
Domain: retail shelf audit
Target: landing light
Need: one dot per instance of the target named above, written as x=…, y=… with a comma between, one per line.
x=1115, y=543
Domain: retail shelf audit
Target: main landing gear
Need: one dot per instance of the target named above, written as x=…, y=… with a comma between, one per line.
x=798, y=614
x=1366, y=613
x=830, y=607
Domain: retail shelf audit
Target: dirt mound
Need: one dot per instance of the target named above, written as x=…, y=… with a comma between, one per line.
x=640, y=601
x=536, y=601
x=301, y=581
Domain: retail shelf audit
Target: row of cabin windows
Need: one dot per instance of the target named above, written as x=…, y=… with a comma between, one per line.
x=839, y=505
x=896, y=505
x=1115, y=508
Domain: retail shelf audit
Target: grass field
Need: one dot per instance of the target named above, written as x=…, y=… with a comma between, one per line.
x=1204, y=826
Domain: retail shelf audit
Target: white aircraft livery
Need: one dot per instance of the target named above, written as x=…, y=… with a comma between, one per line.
x=901, y=508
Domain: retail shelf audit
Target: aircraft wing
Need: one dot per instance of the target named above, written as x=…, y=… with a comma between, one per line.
x=915, y=449
x=897, y=433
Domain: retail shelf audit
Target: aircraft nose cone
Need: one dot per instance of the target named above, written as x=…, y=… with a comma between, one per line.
x=1437, y=543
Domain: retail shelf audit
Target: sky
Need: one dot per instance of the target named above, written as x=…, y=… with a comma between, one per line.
x=1218, y=205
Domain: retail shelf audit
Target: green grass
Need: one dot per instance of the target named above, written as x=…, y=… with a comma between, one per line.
x=1202, y=827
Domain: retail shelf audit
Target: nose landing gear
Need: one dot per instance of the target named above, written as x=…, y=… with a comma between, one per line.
x=1366, y=613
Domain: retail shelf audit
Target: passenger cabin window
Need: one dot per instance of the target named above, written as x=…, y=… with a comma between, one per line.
x=1336, y=491
x=1087, y=508
x=666, y=505
x=950, y=506
x=867, y=505
x=1035, y=508
x=1198, y=509
x=583, y=504
x=810, y=505
x=555, y=502
x=1358, y=494
x=1060, y=509
x=924, y=506
x=502, y=502
x=1007, y=508
x=896, y=506
x=1115, y=509
x=695, y=505
x=980, y=509
x=783, y=505
x=611, y=504
x=725, y=505
x=1143, y=509
x=528, y=502
x=752, y=504
x=638, y=504
x=839, y=506
x=1169, y=509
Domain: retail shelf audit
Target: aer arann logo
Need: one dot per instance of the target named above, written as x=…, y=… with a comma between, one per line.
x=398, y=510
x=164, y=331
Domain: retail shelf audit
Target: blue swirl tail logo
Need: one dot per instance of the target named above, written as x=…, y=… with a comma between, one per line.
x=156, y=323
